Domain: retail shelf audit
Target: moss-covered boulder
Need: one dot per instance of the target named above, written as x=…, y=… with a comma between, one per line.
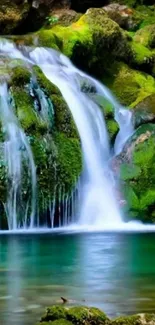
x=51, y=133
x=136, y=165
x=130, y=86
x=146, y=36
x=144, y=111
x=139, y=319
x=91, y=41
x=142, y=58
x=80, y=315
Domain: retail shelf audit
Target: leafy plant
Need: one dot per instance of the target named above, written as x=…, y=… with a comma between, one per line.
x=51, y=20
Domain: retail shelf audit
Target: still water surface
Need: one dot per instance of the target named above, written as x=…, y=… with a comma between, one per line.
x=113, y=271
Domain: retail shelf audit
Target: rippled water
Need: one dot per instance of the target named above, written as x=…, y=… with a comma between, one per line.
x=113, y=271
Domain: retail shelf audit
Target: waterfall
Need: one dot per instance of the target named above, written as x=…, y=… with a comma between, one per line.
x=97, y=187
x=16, y=152
x=98, y=206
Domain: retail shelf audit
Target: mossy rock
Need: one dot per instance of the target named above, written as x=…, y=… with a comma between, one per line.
x=44, y=83
x=142, y=58
x=90, y=40
x=79, y=315
x=144, y=111
x=63, y=118
x=127, y=320
x=139, y=319
x=130, y=86
x=56, y=150
x=54, y=313
x=25, y=111
x=146, y=36
x=69, y=161
x=147, y=14
x=137, y=173
x=47, y=38
x=20, y=76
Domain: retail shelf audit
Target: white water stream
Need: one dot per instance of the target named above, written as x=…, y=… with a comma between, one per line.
x=16, y=150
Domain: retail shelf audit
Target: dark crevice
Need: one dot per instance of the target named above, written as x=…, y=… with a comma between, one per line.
x=83, y=5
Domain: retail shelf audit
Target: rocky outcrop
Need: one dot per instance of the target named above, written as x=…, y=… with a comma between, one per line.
x=54, y=140
x=135, y=166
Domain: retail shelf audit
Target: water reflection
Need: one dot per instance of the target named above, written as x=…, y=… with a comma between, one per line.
x=115, y=272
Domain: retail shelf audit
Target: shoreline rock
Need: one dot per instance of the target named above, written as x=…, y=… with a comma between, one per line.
x=82, y=315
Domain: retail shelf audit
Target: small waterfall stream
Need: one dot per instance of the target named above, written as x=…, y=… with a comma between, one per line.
x=98, y=202
x=16, y=149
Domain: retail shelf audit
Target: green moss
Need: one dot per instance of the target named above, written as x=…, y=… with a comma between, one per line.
x=26, y=113
x=61, y=322
x=127, y=320
x=48, y=38
x=134, y=319
x=20, y=76
x=130, y=86
x=141, y=54
x=69, y=160
x=45, y=157
x=112, y=127
x=147, y=14
x=129, y=172
x=77, y=33
x=146, y=36
x=63, y=118
x=44, y=83
x=54, y=313
x=105, y=105
x=97, y=316
x=80, y=315
x=90, y=40
x=138, y=173
x=144, y=112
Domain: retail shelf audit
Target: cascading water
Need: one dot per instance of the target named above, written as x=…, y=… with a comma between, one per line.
x=97, y=192
x=98, y=202
x=16, y=151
